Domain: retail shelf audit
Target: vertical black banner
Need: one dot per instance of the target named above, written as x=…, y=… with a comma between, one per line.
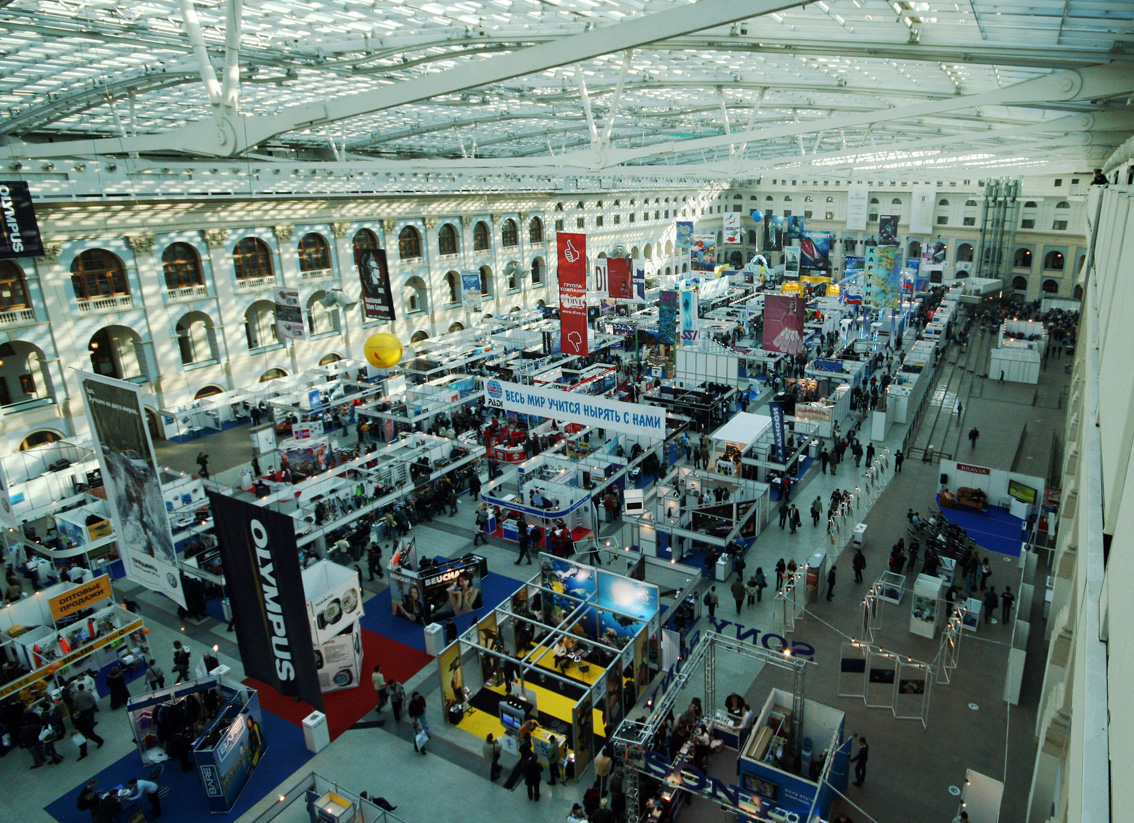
x=374, y=274
x=265, y=586
x=19, y=231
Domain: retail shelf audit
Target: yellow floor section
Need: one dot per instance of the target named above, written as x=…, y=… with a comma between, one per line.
x=480, y=723
x=545, y=658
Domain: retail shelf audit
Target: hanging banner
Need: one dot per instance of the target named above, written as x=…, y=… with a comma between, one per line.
x=773, y=233
x=471, y=295
x=599, y=282
x=19, y=230
x=667, y=317
x=935, y=252
x=921, y=209
x=131, y=477
x=269, y=610
x=712, y=289
x=684, y=235
x=569, y=407
x=688, y=316
x=795, y=228
x=618, y=278
x=883, y=280
x=289, y=315
x=639, y=280
x=858, y=195
x=776, y=412
x=791, y=261
x=703, y=251
x=374, y=275
x=815, y=251
x=732, y=228
x=888, y=230
x=784, y=319
x=573, y=333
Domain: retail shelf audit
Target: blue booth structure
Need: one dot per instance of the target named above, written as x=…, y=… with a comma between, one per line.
x=771, y=781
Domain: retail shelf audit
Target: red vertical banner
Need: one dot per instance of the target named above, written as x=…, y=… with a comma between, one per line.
x=618, y=276
x=572, y=251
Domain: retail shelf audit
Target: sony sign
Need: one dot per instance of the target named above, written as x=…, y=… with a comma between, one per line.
x=690, y=778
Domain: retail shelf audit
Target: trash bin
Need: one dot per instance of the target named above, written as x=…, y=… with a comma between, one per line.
x=860, y=535
x=724, y=567
x=316, y=734
x=434, y=638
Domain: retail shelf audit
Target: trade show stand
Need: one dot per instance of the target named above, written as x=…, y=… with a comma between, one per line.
x=427, y=589
x=334, y=607
x=46, y=478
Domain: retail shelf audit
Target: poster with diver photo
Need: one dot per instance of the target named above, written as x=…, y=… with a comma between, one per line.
x=133, y=486
x=374, y=275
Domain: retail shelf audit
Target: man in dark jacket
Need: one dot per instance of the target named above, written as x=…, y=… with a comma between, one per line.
x=533, y=774
x=858, y=563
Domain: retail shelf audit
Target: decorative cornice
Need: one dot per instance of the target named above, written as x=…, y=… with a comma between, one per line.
x=216, y=237
x=431, y=223
x=466, y=221
x=51, y=251
x=340, y=229
x=283, y=232
x=388, y=227
x=141, y=243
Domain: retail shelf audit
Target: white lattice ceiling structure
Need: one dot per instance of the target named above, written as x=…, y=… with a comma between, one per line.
x=717, y=88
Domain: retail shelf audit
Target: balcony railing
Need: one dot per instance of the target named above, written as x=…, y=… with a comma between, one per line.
x=316, y=274
x=187, y=293
x=254, y=283
x=17, y=317
x=101, y=304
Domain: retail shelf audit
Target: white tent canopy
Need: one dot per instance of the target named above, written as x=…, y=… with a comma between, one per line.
x=743, y=428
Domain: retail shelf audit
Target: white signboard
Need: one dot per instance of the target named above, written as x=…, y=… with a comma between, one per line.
x=858, y=195
x=568, y=407
x=921, y=209
x=732, y=228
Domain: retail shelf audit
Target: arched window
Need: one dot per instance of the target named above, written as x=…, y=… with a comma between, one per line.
x=419, y=336
x=251, y=258
x=39, y=438
x=913, y=250
x=511, y=269
x=1031, y=204
x=328, y=359
x=197, y=338
x=23, y=374
x=787, y=198
x=509, y=233
x=970, y=204
x=538, y=269
x=897, y=201
x=1022, y=259
x=207, y=391
x=416, y=296
x=314, y=252
x=808, y=199
x=1053, y=260
x=535, y=229
x=1050, y=286
x=260, y=325
x=448, y=242
x=769, y=198
x=13, y=287
x=1077, y=292
x=1020, y=283
x=830, y=199
x=182, y=267
x=874, y=201
x=452, y=287
x=1062, y=204
x=409, y=243
x=486, y=281
x=942, y=203
x=97, y=273
x=456, y=327
x=559, y=207
x=321, y=318
x=965, y=253
x=481, y=237
x=272, y=374
x=365, y=239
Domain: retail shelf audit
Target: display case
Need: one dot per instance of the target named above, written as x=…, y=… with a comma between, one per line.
x=891, y=587
x=970, y=620
x=925, y=607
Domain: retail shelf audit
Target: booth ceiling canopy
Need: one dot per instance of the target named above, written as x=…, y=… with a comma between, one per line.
x=716, y=89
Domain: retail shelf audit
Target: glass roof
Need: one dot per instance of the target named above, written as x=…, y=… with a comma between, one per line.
x=817, y=85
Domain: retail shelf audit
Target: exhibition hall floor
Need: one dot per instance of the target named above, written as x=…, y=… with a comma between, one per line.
x=911, y=769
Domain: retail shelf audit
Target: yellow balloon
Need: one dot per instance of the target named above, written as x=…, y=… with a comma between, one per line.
x=383, y=351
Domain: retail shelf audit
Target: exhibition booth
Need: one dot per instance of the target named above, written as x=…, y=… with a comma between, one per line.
x=571, y=649
x=1019, y=352
x=427, y=589
x=213, y=722
x=334, y=608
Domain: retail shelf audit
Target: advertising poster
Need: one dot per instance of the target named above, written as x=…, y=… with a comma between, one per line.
x=703, y=251
x=776, y=412
x=921, y=209
x=684, y=235
x=570, y=407
x=289, y=315
x=624, y=607
x=667, y=317
x=888, y=230
x=568, y=577
x=784, y=318
x=452, y=678
x=773, y=232
x=795, y=227
x=80, y=597
x=857, y=206
x=455, y=590
x=269, y=610
x=306, y=461
x=731, y=228
x=883, y=279
x=599, y=283
x=339, y=660
x=641, y=661
x=815, y=251
x=583, y=724
x=374, y=275
x=470, y=291
x=19, y=230
x=851, y=266
x=335, y=609
x=225, y=768
x=572, y=254
x=618, y=278
x=689, y=315
x=639, y=280
x=133, y=486
x=935, y=252
x=791, y=261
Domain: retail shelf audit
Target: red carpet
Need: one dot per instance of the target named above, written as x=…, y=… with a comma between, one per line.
x=345, y=708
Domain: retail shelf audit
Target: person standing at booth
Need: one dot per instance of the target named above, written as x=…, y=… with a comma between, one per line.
x=150, y=790
x=491, y=750
x=860, y=760
x=533, y=774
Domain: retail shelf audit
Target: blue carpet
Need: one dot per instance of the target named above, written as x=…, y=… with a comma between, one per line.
x=380, y=618
x=131, y=676
x=995, y=530
x=186, y=801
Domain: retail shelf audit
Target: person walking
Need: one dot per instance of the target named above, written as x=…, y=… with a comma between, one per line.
x=831, y=582
x=761, y=583
x=898, y=459
x=738, y=592
x=416, y=711
x=752, y=590
x=860, y=760
x=784, y=510
x=203, y=464
x=780, y=567
x=492, y=749
x=83, y=707
x=858, y=563
x=116, y=684
x=1006, y=601
x=180, y=661
x=533, y=774
x=824, y=459
x=869, y=454
x=711, y=600
x=397, y=697
x=985, y=572
x=155, y=677
x=378, y=681
x=525, y=544
x=481, y=522
x=794, y=518
x=991, y=601
x=960, y=409
x=603, y=765
x=816, y=510
x=974, y=435
x=374, y=561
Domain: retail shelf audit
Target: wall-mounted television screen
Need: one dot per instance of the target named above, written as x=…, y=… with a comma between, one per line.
x=1025, y=494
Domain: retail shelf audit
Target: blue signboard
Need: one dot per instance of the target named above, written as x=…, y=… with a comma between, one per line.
x=776, y=411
